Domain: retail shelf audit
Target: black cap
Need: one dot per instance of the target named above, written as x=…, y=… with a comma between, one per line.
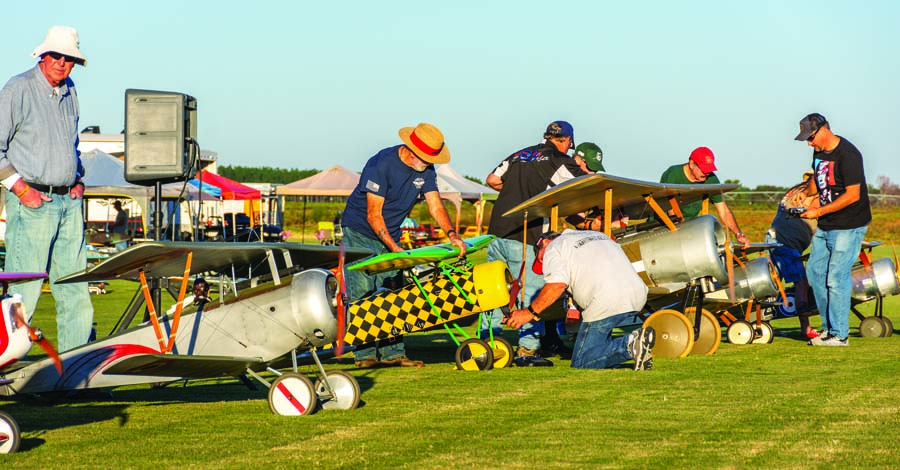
x=810, y=124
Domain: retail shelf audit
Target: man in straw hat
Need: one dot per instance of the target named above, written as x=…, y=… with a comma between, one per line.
x=391, y=183
x=843, y=217
x=520, y=176
x=41, y=168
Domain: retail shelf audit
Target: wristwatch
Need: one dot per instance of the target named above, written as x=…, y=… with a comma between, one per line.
x=534, y=315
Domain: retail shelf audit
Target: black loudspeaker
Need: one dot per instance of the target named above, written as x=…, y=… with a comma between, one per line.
x=160, y=136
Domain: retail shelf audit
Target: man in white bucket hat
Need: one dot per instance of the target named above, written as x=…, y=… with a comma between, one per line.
x=41, y=168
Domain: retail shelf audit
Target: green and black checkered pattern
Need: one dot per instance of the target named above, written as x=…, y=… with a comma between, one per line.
x=406, y=310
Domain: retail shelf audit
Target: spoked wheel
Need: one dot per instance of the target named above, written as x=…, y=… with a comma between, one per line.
x=345, y=387
x=474, y=354
x=710, y=337
x=889, y=326
x=765, y=334
x=740, y=332
x=9, y=434
x=503, y=353
x=872, y=327
x=292, y=395
x=674, y=334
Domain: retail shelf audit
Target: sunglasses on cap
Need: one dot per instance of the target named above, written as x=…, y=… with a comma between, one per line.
x=57, y=56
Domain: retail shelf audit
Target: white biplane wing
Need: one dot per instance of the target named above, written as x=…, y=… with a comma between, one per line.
x=167, y=259
x=187, y=367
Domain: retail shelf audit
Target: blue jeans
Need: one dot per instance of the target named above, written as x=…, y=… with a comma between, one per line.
x=360, y=284
x=510, y=252
x=51, y=239
x=828, y=269
x=595, y=347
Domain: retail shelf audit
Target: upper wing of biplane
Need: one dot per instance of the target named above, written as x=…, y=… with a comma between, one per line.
x=167, y=259
x=418, y=256
x=628, y=195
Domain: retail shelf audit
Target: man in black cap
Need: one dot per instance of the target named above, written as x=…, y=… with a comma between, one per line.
x=843, y=218
x=519, y=177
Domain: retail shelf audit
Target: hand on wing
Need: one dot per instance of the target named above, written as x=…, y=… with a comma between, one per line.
x=77, y=191
x=459, y=243
x=518, y=318
x=743, y=239
x=28, y=195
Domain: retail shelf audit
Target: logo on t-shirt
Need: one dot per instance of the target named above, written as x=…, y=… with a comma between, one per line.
x=372, y=186
x=824, y=178
x=418, y=183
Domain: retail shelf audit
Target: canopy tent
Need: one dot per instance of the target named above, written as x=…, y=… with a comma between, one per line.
x=456, y=188
x=105, y=178
x=231, y=190
x=334, y=181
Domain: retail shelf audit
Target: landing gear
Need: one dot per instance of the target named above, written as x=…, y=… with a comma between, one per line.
x=710, y=336
x=674, y=333
x=475, y=354
x=292, y=394
x=740, y=332
x=9, y=434
x=874, y=327
x=341, y=392
x=764, y=333
x=503, y=353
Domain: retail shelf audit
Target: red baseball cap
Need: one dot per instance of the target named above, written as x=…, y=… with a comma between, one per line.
x=704, y=159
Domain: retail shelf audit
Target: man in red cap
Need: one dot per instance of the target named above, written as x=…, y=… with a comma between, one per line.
x=700, y=169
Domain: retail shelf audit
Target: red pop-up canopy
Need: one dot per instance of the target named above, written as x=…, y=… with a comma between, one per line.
x=231, y=190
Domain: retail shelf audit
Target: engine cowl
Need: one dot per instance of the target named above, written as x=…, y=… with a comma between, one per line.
x=878, y=279
x=313, y=303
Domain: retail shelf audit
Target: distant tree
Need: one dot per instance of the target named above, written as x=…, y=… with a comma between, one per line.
x=886, y=186
x=474, y=179
x=770, y=188
x=737, y=182
x=265, y=174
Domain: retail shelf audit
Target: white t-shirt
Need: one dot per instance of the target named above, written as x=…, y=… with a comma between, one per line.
x=599, y=275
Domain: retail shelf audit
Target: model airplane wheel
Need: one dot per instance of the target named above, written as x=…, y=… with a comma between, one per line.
x=474, y=354
x=503, y=353
x=888, y=326
x=346, y=391
x=674, y=333
x=765, y=334
x=710, y=336
x=292, y=395
x=9, y=434
x=740, y=332
x=872, y=327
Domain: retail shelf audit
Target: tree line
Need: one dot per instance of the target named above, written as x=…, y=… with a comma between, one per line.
x=264, y=174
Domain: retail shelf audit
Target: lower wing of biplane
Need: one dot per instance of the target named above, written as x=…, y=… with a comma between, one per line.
x=681, y=262
x=274, y=299
x=451, y=289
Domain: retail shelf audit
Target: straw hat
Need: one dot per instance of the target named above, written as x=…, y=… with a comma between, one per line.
x=427, y=142
x=61, y=39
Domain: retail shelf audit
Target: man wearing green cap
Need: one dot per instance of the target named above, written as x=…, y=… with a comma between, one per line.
x=589, y=157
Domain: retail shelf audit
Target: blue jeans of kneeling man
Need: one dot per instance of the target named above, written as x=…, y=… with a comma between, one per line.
x=510, y=252
x=359, y=285
x=832, y=255
x=595, y=347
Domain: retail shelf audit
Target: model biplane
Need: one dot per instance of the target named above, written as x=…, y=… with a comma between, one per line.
x=443, y=289
x=873, y=280
x=682, y=262
x=274, y=300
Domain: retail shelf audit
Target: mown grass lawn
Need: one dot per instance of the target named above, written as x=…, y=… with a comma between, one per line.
x=781, y=405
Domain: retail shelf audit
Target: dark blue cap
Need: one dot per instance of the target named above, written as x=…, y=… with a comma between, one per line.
x=560, y=129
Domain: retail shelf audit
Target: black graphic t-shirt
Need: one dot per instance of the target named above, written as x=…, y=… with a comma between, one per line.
x=836, y=170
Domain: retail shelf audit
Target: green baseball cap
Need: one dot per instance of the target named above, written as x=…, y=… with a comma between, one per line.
x=591, y=154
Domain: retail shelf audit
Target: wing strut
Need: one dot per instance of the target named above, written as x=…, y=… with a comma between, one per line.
x=152, y=311
x=180, y=304
x=659, y=212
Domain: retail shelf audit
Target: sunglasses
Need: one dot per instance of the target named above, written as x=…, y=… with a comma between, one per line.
x=57, y=56
x=813, y=135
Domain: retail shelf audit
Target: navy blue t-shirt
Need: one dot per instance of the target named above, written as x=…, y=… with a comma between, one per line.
x=387, y=176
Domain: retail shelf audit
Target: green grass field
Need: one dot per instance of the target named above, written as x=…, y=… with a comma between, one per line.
x=781, y=405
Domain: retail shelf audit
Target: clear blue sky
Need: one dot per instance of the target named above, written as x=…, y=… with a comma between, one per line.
x=303, y=84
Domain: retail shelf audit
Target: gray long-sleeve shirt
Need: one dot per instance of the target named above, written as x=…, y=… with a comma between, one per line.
x=39, y=130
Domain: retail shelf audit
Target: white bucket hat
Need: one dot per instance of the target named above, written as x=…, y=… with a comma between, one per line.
x=61, y=39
